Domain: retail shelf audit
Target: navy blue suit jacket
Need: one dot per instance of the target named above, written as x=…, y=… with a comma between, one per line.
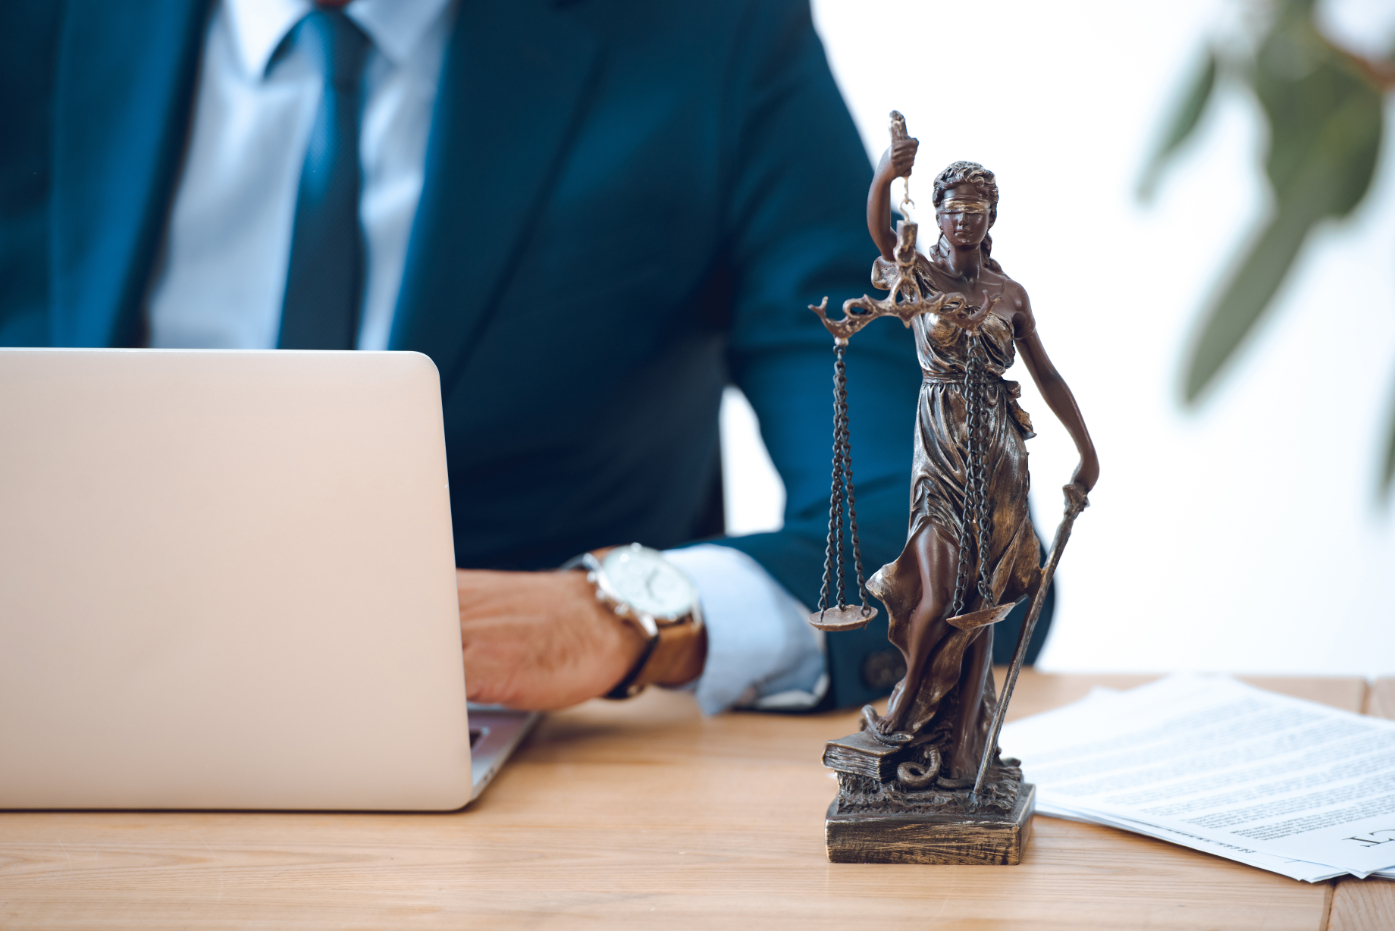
x=627, y=206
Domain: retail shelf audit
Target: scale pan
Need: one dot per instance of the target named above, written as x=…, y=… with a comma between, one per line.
x=848, y=617
x=983, y=618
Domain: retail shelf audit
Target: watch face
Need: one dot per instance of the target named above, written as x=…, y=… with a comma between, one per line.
x=648, y=583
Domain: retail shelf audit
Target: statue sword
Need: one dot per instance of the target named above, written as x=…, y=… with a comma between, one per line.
x=1076, y=501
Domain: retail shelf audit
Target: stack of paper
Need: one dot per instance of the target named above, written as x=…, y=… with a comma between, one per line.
x=1211, y=763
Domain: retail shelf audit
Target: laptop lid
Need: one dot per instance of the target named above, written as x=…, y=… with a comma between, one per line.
x=227, y=581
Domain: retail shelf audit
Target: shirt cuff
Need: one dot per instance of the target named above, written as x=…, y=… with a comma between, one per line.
x=761, y=651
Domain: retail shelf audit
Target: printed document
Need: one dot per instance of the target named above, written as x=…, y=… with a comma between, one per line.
x=1208, y=762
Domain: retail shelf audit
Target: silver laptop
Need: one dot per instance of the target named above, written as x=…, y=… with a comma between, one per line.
x=227, y=580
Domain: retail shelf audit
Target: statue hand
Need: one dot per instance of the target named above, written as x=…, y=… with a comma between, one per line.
x=897, y=161
x=1087, y=473
x=902, y=154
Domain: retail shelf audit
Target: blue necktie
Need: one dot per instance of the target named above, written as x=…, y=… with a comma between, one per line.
x=324, y=284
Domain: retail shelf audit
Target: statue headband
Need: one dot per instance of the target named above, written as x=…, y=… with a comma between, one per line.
x=966, y=206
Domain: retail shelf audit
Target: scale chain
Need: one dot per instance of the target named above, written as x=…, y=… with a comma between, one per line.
x=835, y=561
x=841, y=455
x=856, y=543
x=975, y=479
x=985, y=590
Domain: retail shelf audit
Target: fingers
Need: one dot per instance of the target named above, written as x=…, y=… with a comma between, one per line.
x=899, y=158
x=1076, y=497
x=540, y=640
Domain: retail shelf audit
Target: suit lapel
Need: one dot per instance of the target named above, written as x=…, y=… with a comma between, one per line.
x=125, y=82
x=514, y=85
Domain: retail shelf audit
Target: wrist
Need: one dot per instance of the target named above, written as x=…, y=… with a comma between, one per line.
x=652, y=600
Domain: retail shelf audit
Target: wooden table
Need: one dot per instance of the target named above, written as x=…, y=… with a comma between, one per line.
x=644, y=814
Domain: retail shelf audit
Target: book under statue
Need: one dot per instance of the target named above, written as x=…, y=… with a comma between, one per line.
x=925, y=782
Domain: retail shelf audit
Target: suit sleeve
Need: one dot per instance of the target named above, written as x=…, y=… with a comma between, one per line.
x=28, y=40
x=795, y=218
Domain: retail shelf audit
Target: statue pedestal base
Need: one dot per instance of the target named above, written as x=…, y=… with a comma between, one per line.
x=895, y=806
x=916, y=837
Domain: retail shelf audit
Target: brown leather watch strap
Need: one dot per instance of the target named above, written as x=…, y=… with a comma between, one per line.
x=679, y=654
x=628, y=687
x=675, y=657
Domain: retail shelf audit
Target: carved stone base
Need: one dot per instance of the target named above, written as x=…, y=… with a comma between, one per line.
x=987, y=837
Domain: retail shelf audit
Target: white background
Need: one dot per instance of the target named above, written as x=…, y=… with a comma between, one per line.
x=1245, y=534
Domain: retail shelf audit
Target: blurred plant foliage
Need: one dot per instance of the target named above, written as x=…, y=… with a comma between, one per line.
x=1323, y=106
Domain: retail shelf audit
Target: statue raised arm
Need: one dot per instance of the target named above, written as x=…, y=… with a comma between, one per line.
x=895, y=271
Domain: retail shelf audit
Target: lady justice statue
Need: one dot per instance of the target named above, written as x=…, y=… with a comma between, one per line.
x=924, y=782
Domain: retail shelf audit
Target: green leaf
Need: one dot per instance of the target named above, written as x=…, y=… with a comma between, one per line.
x=1230, y=318
x=1387, y=472
x=1184, y=121
x=1325, y=128
x=1324, y=120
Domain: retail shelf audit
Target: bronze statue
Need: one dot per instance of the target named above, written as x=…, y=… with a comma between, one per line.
x=971, y=554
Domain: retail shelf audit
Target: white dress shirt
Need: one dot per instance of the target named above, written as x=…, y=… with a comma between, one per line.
x=228, y=245
x=222, y=274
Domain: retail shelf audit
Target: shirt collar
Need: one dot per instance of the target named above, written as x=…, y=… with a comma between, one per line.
x=395, y=27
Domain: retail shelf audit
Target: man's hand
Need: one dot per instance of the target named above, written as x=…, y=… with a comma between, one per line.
x=540, y=640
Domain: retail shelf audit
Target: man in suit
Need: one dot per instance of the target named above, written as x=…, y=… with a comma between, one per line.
x=591, y=215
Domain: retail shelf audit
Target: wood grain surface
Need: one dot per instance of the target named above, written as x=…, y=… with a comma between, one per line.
x=639, y=814
x=1367, y=904
x=1381, y=699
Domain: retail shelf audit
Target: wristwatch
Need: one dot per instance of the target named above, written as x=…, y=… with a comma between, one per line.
x=646, y=590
